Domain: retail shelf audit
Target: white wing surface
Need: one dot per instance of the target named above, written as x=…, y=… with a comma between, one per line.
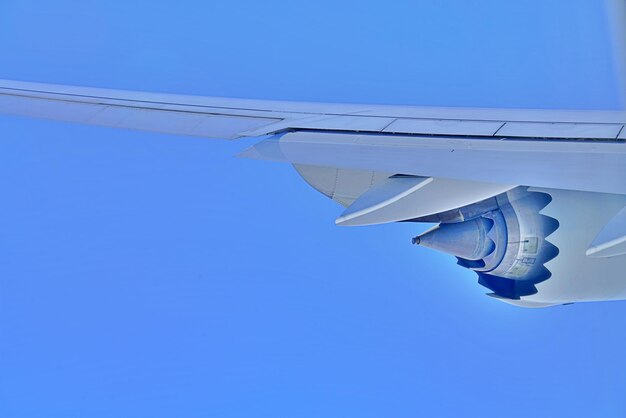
x=215, y=117
x=574, y=150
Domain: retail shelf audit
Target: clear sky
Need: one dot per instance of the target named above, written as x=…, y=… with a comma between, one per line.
x=145, y=275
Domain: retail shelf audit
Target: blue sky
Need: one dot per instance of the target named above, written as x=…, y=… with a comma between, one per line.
x=144, y=275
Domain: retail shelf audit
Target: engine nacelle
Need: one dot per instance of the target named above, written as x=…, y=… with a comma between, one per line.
x=531, y=247
x=504, y=239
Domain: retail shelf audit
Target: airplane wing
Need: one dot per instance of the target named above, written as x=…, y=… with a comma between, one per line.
x=567, y=149
x=532, y=200
x=227, y=118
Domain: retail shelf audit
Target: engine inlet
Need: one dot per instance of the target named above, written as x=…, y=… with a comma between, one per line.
x=503, y=239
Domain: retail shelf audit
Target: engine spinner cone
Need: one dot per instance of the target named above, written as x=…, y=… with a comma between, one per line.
x=468, y=240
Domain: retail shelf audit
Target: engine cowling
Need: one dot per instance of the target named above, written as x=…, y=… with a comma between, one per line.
x=504, y=239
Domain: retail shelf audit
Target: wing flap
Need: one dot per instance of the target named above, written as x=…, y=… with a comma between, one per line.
x=444, y=127
x=348, y=123
x=560, y=130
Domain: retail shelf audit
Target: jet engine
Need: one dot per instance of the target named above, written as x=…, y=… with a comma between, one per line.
x=504, y=239
x=530, y=247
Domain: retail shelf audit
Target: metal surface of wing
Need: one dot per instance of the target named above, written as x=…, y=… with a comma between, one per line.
x=215, y=117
